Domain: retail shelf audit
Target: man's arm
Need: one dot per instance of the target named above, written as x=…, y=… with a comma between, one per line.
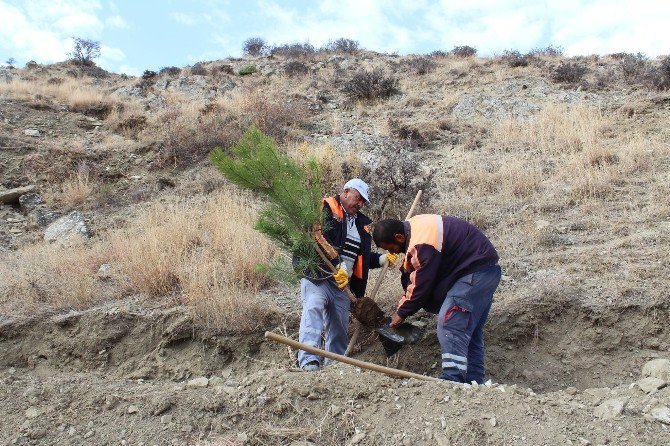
x=424, y=262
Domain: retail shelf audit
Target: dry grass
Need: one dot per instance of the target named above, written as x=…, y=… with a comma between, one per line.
x=43, y=276
x=76, y=94
x=511, y=177
x=556, y=129
x=337, y=166
x=78, y=188
x=190, y=130
x=56, y=161
x=207, y=252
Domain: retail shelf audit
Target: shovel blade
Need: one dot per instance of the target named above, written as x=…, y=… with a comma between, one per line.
x=393, y=339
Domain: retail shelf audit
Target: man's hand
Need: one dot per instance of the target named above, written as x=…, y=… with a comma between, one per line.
x=388, y=259
x=396, y=321
x=341, y=278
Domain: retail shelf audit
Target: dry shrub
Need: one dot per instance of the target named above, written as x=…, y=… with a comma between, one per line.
x=511, y=177
x=78, y=188
x=596, y=172
x=43, y=276
x=75, y=93
x=371, y=85
x=127, y=119
x=207, y=252
x=189, y=131
x=337, y=166
x=55, y=161
x=556, y=129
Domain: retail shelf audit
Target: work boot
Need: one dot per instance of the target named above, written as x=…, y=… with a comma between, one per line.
x=311, y=366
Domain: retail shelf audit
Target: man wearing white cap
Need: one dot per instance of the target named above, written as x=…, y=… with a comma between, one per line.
x=344, y=237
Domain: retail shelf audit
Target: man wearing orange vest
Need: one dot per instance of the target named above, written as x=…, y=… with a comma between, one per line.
x=345, y=239
x=450, y=269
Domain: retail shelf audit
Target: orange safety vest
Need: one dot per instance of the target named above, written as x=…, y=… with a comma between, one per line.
x=331, y=252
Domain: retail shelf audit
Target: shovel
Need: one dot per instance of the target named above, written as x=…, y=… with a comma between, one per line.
x=410, y=334
x=389, y=337
x=366, y=311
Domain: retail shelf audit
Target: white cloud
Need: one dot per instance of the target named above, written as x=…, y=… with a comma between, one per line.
x=42, y=30
x=116, y=21
x=579, y=26
x=129, y=70
x=184, y=19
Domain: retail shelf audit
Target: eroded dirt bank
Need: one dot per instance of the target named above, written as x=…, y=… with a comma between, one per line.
x=121, y=374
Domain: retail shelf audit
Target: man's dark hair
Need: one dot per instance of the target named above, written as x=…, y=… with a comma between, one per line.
x=385, y=230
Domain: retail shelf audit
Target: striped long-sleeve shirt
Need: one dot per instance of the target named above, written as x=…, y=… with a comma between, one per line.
x=439, y=250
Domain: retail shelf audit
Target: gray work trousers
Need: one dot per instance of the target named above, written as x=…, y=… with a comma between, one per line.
x=324, y=306
x=460, y=325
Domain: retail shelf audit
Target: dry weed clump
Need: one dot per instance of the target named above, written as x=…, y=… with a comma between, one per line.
x=188, y=131
x=43, y=276
x=79, y=96
x=76, y=190
x=556, y=129
x=205, y=252
x=337, y=166
x=511, y=177
x=55, y=161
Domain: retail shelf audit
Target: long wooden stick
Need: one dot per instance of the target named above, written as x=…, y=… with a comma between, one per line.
x=380, y=279
x=355, y=362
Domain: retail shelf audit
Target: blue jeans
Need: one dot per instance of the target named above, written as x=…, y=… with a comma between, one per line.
x=324, y=306
x=460, y=325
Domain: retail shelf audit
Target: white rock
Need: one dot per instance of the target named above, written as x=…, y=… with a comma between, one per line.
x=32, y=412
x=198, y=382
x=31, y=132
x=661, y=414
x=132, y=409
x=657, y=368
x=166, y=419
x=651, y=384
x=610, y=409
x=66, y=228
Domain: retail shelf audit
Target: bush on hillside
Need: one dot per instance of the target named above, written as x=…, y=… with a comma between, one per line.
x=254, y=46
x=198, y=69
x=342, y=45
x=293, y=50
x=464, y=51
x=295, y=68
x=633, y=65
x=438, y=54
x=249, y=69
x=170, y=71
x=548, y=51
x=658, y=77
x=371, y=85
x=514, y=58
x=421, y=65
x=569, y=73
x=148, y=74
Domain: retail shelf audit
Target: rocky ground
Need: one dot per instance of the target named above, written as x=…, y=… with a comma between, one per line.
x=578, y=342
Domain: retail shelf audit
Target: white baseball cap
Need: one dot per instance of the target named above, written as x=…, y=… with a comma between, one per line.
x=360, y=186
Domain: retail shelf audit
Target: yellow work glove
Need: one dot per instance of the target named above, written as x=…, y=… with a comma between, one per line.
x=388, y=259
x=341, y=278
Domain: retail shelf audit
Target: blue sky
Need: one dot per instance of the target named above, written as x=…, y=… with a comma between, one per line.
x=138, y=35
